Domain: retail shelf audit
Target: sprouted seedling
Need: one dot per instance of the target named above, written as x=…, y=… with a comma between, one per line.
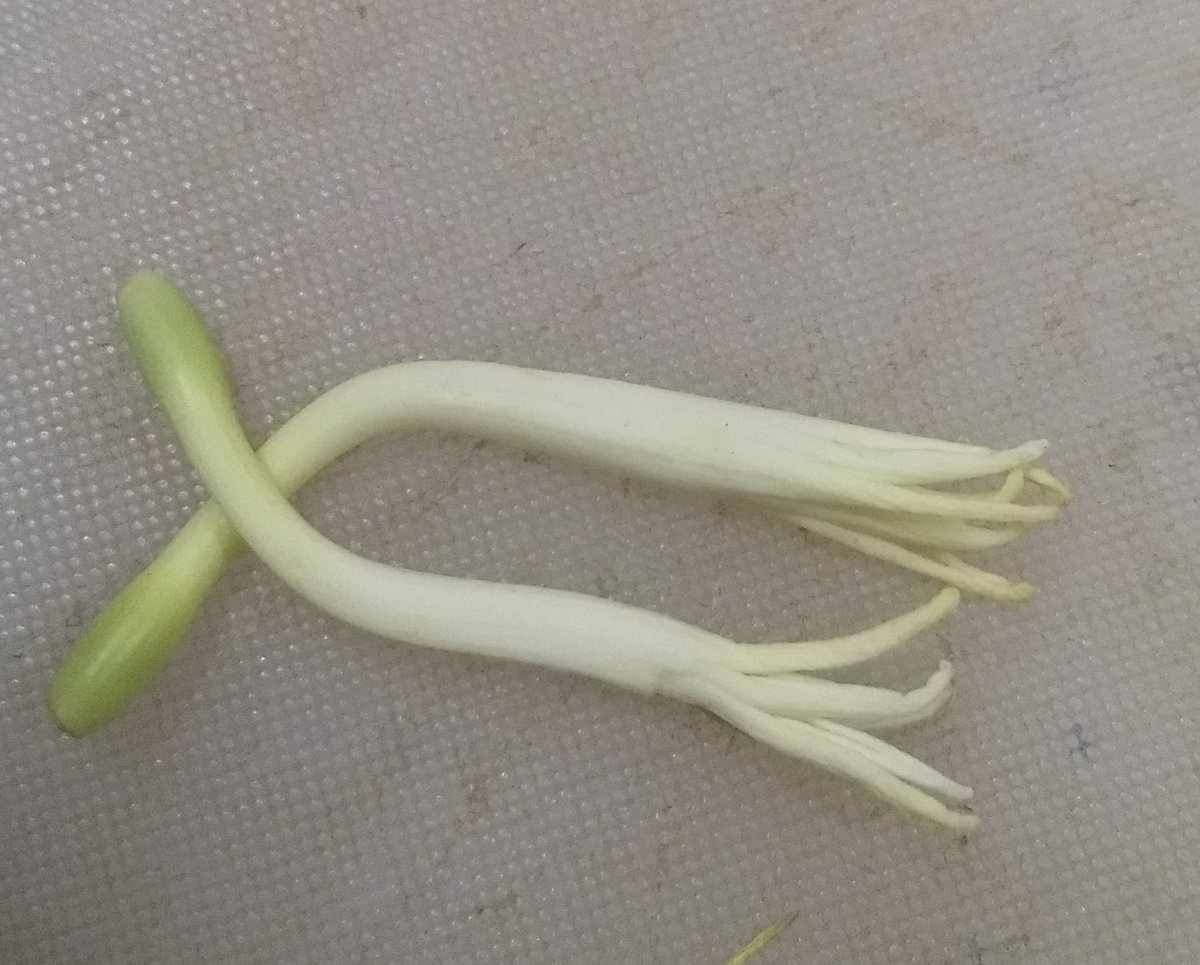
x=870, y=489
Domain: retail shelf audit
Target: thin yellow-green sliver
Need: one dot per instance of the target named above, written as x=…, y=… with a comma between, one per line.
x=760, y=941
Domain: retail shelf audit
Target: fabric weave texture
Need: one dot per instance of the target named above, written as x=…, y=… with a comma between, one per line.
x=977, y=221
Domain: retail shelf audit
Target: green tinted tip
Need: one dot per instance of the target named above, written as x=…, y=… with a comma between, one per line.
x=167, y=335
x=122, y=650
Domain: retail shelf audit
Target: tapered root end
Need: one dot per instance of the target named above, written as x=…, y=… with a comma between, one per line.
x=945, y=603
x=1022, y=592
x=1052, y=484
x=960, y=821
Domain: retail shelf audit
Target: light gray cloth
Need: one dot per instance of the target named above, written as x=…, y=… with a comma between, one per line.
x=974, y=220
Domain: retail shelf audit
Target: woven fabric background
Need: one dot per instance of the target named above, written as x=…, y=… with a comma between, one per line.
x=977, y=220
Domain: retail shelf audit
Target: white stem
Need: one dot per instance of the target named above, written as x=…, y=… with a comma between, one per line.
x=670, y=437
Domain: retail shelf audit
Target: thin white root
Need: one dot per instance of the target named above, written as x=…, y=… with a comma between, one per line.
x=1051, y=483
x=923, y=465
x=893, y=723
x=1006, y=492
x=806, y=741
x=903, y=765
x=957, y=573
x=1022, y=591
x=1011, y=488
x=912, y=499
x=939, y=532
x=802, y=697
x=785, y=657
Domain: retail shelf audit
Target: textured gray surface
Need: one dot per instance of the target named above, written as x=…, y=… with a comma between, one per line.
x=976, y=220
